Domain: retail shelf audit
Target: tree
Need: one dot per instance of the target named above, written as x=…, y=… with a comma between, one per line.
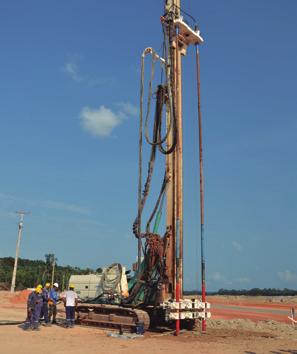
x=33, y=272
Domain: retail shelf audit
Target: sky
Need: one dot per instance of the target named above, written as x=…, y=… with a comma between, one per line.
x=69, y=112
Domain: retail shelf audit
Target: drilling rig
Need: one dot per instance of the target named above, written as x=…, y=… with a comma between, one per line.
x=156, y=289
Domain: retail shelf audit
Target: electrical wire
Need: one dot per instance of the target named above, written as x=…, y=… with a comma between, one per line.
x=173, y=7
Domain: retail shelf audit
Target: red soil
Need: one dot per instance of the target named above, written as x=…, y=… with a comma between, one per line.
x=20, y=297
x=253, y=316
x=283, y=306
x=227, y=309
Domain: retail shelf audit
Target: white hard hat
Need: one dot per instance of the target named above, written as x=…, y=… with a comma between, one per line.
x=56, y=285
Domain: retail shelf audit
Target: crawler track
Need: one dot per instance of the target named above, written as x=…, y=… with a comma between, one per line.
x=111, y=316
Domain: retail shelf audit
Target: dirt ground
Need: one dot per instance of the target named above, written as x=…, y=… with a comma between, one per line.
x=254, y=308
x=223, y=336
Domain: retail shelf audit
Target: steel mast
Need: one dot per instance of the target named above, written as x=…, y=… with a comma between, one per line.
x=179, y=40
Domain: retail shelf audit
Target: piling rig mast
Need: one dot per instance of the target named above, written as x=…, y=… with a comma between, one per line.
x=157, y=286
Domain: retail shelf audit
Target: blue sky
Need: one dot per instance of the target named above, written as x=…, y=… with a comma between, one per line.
x=69, y=94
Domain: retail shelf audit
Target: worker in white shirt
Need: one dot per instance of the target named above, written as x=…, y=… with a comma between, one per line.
x=70, y=301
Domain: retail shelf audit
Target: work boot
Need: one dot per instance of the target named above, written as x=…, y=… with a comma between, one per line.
x=68, y=324
x=35, y=328
x=27, y=326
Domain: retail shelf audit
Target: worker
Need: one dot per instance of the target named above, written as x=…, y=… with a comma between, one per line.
x=70, y=302
x=45, y=296
x=53, y=300
x=34, y=305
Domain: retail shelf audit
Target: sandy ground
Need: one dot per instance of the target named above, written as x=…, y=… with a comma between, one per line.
x=253, y=308
x=223, y=336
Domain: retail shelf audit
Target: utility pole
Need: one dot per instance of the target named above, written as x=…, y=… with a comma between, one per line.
x=20, y=229
x=63, y=281
x=53, y=270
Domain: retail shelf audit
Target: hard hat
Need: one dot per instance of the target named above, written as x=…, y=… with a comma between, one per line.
x=39, y=286
x=47, y=284
x=71, y=286
x=56, y=285
x=38, y=290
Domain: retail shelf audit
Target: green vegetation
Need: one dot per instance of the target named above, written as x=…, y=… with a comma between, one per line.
x=33, y=272
x=259, y=292
x=250, y=292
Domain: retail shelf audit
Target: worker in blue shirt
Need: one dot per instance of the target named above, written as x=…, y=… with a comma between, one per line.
x=53, y=299
x=34, y=305
x=45, y=296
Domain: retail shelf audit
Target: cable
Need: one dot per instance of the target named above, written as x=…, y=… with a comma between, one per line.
x=161, y=194
x=151, y=272
x=184, y=12
x=10, y=323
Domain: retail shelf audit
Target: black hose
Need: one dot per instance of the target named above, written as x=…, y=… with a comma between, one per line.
x=10, y=322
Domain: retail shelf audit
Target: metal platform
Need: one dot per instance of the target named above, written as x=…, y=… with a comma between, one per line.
x=188, y=35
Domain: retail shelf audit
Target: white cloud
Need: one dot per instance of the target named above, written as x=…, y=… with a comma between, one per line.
x=237, y=246
x=128, y=109
x=100, y=122
x=288, y=276
x=71, y=69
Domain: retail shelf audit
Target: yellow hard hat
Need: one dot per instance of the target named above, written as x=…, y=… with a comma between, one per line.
x=71, y=286
x=38, y=290
x=39, y=286
x=47, y=284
